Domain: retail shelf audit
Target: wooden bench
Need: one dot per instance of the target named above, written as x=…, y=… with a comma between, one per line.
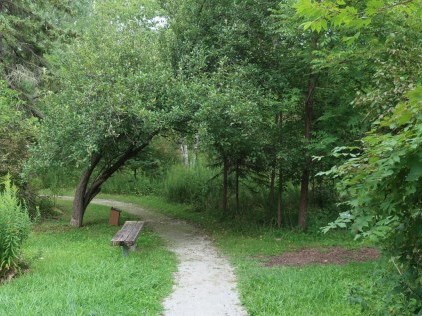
x=127, y=236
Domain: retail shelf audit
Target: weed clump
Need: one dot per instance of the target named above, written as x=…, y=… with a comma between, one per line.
x=14, y=228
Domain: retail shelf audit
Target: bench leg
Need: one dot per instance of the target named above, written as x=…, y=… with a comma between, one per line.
x=125, y=250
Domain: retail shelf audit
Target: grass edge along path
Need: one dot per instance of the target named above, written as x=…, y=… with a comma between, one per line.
x=280, y=290
x=77, y=271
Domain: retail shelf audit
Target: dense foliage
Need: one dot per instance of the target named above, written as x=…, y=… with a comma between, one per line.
x=15, y=130
x=112, y=93
x=29, y=30
x=380, y=181
x=383, y=191
x=14, y=227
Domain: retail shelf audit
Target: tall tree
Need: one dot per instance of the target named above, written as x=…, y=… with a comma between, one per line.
x=380, y=181
x=230, y=37
x=29, y=30
x=115, y=93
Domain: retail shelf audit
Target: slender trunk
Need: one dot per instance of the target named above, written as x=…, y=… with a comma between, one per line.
x=280, y=176
x=237, y=187
x=280, y=197
x=304, y=183
x=304, y=192
x=271, y=197
x=185, y=154
x=195, y=151
x=225, y=184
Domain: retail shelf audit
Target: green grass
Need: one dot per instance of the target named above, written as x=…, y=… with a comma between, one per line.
x=309, y=290
x=77, y=271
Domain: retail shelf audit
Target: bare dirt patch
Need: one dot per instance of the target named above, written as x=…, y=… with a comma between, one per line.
x=332, y=255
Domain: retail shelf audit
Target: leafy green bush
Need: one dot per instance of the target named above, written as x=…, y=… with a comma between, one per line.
x=126, y=183
x=191, y=185
x=14, y=227
x=45, y=207
x=382, y=186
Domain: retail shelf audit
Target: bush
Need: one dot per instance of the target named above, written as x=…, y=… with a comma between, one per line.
x=382, y=187
x=192, y=186
x=14, y=227
x=45, y=207
x=126, y=183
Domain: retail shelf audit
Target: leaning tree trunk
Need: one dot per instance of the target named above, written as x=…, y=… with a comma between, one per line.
x=304, y=183
x=87, y=189
x=79, y=199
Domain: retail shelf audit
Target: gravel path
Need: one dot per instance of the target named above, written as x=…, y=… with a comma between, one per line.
x=205, y=284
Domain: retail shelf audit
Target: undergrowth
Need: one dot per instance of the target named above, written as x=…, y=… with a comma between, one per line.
x=14, y=228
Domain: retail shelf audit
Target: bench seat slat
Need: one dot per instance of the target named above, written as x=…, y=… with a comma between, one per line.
x=128, y=234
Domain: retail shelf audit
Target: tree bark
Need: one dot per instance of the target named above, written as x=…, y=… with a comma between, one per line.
x=184, y=153
x=304, y=183
x=85, y=193
x=225, y=184
x=280, y=197
x=79, y=200
x=280, y=176
x=237, y=187
x=271, y=196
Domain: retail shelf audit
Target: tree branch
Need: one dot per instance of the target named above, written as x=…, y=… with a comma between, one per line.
x=95, y=187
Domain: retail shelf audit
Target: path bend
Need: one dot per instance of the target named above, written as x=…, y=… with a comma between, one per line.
x=205, y=283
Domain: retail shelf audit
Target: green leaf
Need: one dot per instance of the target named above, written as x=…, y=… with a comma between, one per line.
x=415, y=170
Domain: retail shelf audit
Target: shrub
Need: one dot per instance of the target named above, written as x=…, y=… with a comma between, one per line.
x=126, y=183
x=382, y=187
x=14, y=227
x=191, y=185
x=45, y=207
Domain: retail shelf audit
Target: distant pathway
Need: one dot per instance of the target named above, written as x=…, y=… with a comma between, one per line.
x=205, y=282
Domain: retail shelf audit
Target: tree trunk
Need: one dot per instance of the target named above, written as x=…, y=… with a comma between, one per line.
x=271, y=196
x=304, y=192
x=185, y=154
x=304, y=183
x=225, y=184
x=85, y=194
x=79, y=200
x=280, y=197
x=237, y=187
x=280, y=174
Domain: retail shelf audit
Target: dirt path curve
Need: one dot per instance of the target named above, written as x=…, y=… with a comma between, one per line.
x=205, y=284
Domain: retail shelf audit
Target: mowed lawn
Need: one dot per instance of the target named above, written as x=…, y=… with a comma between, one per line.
x=77, y=272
